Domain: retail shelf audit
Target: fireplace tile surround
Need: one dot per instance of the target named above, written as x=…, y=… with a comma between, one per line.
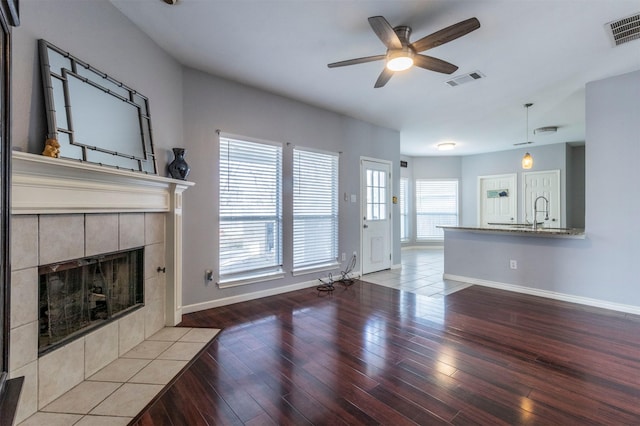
x=64, y=210
x=56, y=239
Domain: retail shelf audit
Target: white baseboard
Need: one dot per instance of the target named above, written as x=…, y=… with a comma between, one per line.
x=196, y=307
x=630, y=309
x=396, y=266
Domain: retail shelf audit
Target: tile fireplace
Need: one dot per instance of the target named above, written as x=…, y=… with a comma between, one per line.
x=66, y=216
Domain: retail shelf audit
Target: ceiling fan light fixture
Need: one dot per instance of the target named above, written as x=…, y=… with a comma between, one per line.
x=446, y=146
x=400, y=61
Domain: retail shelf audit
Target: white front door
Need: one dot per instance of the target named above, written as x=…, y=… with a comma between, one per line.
x=542, y=184
x=375, y=196
x=498, y=199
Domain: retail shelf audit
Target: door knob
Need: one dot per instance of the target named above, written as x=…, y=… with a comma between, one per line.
x=365, y=226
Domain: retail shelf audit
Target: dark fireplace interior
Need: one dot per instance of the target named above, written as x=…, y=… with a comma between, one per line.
x=79, y=295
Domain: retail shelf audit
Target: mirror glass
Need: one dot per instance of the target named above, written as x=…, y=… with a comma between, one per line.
x=94, y=117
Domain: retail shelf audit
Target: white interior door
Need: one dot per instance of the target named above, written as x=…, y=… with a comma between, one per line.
x=375, y=196
x=542, y=184
x=498, y=199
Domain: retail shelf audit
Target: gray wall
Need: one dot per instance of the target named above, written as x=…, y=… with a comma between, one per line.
x=445, y=167
x=604, y=265
x=96, y=32
x=212, y=103
x=545, y=157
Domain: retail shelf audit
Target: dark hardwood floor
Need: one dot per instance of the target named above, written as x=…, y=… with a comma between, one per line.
x=369, y=354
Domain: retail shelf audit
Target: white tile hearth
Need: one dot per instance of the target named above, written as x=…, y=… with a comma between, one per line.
x=169, y=334
x=115, y=394
x=129, y=400
x=83, y=398
x=120, y=370
x=158, y=372
x=148, y=349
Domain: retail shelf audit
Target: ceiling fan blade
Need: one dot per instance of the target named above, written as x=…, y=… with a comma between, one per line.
x=385, y=32
x=385, y=75
x=446, y=35
x=357, y=61
x=434, y=64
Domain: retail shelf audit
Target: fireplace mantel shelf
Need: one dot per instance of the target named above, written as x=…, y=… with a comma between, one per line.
x=44, y=185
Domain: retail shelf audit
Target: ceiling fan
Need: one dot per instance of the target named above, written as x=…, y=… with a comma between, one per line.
x=401, y=54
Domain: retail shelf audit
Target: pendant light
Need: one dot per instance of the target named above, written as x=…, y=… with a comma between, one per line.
x=527, y=160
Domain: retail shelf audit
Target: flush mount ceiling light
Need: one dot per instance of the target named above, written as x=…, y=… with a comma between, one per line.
x=400, y=60
x=446, y=146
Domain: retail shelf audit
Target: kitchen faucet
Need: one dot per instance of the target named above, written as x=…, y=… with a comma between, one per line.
x=535, y=211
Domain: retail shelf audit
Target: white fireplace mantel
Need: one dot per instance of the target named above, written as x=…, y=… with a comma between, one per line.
x=44, y=185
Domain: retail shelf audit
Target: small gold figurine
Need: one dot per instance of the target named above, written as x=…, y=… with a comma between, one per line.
x=51, y=148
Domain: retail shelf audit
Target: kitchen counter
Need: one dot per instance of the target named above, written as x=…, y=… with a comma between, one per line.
x=521, y=230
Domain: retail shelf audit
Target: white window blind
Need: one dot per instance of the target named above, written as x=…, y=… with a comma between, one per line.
x=436, y=204
x=250, y=209
x=404, y=209
x=315, y=208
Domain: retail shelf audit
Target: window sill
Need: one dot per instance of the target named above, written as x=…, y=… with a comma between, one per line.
x=250, y=279
x=315, y=268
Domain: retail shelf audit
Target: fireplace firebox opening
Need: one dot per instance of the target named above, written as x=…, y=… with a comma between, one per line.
x=81, y=295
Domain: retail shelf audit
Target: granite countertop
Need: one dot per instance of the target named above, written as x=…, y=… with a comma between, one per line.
x=520, y=229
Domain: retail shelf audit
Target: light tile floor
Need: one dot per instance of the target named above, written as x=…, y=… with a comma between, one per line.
x=421, y=273
x=119, y=391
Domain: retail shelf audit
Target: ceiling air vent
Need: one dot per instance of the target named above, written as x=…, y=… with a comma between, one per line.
x=466, y=78
x=625, y=29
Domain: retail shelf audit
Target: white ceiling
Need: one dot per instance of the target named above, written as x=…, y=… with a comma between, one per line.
x=530, y=51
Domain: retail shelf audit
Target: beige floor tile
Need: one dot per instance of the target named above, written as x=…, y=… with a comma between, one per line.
x=51, y=419
x=148, y=349
x=171, y=334
x=82, y=398
x=120, y=370
x=159, y=372
x=128, y=400
x=183, y=351
x=427, y=290
x=104, y=421
x=203, y=335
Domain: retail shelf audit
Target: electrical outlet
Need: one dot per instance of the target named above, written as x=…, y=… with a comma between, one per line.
x=208, y=276
x=513, y=264
x=344, y=256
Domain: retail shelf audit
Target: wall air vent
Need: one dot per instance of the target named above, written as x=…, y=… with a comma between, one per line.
x=625, y=29
x=466, y=78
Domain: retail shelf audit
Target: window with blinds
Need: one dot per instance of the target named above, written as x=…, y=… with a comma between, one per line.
x=315, y=208
x=404, y=209
x=250, y=209
x=436, y=204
